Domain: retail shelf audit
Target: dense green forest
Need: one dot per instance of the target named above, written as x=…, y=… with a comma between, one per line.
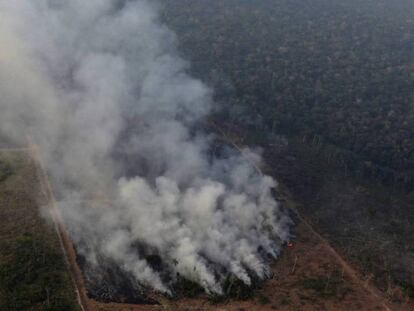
x=336, y=73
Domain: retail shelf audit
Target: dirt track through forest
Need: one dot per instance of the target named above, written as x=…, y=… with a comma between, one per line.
x=348, y=269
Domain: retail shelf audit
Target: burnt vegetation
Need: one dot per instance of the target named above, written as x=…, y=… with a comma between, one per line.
x=108, y=282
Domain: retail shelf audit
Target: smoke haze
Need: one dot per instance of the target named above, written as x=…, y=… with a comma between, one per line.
x=99, y=87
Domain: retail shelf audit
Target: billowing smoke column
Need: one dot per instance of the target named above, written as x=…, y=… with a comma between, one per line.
x=90, y=80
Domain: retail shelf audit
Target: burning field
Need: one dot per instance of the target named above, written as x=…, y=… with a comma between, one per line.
x=177, y=211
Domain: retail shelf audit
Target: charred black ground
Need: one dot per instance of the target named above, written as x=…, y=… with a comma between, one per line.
x=109, y=283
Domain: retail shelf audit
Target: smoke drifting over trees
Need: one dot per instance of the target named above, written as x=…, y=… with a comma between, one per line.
x=71, y=74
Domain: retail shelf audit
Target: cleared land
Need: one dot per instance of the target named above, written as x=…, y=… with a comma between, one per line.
x=310, y=275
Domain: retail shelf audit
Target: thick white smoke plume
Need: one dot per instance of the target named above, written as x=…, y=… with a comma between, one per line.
x=98, y=83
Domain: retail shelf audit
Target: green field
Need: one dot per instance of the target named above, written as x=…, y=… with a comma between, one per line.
x=33, y=273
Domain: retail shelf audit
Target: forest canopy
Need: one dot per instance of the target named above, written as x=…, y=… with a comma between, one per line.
x=341, y=72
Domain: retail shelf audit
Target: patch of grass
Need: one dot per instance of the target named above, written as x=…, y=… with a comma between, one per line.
x=34, y=277
x=236, y=289
x=187, y=288
x=315, y=284
x=366, y=261
x=372, y=211
x=408, y=288
x=285, y=301
x=323, y=286
x=216, y=299
x=6, y=170
x=263, y=300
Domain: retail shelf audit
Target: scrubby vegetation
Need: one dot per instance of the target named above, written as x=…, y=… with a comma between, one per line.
x=234, y=288
x=5, y=171
x=33, y=273
x=408, y=288
x=34, y=276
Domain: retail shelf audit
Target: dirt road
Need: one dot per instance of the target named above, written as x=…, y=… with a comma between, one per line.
x=64, y=240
